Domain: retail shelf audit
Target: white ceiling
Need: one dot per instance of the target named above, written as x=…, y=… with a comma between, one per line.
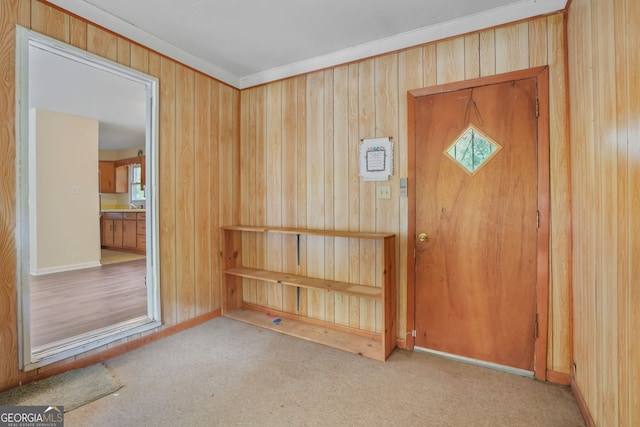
x=249, y=42
x=57, y=83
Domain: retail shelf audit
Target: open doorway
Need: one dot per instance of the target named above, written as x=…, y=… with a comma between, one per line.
x=75, y=108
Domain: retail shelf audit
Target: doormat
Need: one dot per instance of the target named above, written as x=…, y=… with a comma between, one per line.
x=70, y=389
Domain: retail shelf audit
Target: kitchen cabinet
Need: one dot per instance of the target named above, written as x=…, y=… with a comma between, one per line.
x=106, y=232
x=122, y=179
x=124, y=231
x=141, y=229
x=129, y=230
x=107, y=176
x=113, y=179
x=117, y=233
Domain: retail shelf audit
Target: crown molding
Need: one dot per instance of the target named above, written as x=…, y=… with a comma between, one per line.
x=487, y=19
x=119, y=26
x=491, y=18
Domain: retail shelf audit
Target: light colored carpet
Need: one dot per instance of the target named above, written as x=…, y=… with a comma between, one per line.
x=227, y=373
x=70, y=389
x=109, y=256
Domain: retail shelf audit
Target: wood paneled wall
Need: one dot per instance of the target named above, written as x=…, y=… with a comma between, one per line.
x=299, y=165
x=198, y=169
x=604, y=75
x=285, y=154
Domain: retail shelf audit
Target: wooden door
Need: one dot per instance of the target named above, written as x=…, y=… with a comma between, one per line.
x=476, y=273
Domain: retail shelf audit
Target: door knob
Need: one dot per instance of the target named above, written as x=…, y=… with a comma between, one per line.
x=423, y=237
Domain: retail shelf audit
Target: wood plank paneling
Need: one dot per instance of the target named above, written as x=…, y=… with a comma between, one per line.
x=49, y=21
x=78, y=33
x=124, y=52
x=197, y=115
x=260, y=216
x=315, y=188
x=367, y=129
x=185, y=195
x=139, y=58
x=559, y=270
x=215, y=124
x=386, y=119
x=604, y=59
x=167, y=183
x=344, y=104
x=102, y=43
x=8, y=325
x=340, y=219
x=487, y=53
x=203, y=256
x=630, y=252
x=274, y=188
x=512, y=47
x=354, y=190
x=537, y=37
x=472, y=56
x=289, y=185
x=329, y=180
x=247, y=187
x=450, y=60
x=319, y=129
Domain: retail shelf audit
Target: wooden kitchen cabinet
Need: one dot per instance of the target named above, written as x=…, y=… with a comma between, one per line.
x=122, y=179
x=106, y=232
x=113, y=179
x=125, y=231
x=107, y=176
x=129, y=230
x=117, y=233
x=141, y=228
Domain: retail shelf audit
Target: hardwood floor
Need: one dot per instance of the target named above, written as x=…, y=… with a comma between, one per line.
x=67, y=304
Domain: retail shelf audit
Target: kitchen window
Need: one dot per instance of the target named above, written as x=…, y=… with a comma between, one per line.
x=136, y=192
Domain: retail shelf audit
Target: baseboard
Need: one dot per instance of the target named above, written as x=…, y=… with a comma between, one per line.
x=558, y=377
x=110, y=353
x=62, y=268
x=582, y=405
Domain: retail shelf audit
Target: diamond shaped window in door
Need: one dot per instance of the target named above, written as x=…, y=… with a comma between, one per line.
x=472, y=149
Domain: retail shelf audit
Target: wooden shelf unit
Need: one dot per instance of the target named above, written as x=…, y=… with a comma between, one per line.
x=370, y=344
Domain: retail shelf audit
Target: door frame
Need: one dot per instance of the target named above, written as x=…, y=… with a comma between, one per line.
x=31, y=358
x=541, y=74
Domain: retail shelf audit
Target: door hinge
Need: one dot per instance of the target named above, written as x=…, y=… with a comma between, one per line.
x=413, y=333
x=537, y=108
x=535, y=328
x=537, y=219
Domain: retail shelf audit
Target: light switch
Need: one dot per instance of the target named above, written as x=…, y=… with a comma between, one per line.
x=384, y=192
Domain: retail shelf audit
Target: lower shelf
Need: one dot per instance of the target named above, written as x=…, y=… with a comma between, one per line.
x=342, y=340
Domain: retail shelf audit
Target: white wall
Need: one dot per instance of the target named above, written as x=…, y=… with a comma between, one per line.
x=65, y=230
